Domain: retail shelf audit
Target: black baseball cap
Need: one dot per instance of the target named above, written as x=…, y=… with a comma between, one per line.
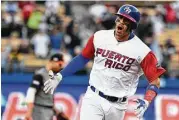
x=56, y=57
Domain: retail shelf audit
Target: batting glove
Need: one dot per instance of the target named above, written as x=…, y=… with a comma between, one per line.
x=142, y=106
x=51, y=84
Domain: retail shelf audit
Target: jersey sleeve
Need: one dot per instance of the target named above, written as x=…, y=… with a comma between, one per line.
x=37, y=81
x=88, y=51
x=151, y=68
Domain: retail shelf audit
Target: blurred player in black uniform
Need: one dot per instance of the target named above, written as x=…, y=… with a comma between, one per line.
x=41, y=104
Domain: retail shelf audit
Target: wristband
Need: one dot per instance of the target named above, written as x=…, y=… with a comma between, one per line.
x=151, y=92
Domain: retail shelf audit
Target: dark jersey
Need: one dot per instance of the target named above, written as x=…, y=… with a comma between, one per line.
x=41, y=98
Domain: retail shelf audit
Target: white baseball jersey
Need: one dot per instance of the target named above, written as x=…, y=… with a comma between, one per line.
x=118, y=65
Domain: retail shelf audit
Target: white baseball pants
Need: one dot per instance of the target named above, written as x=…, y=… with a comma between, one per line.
x=95, y=107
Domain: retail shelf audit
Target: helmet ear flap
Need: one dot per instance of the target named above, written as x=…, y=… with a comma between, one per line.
x=133, y=26
x=129, y=27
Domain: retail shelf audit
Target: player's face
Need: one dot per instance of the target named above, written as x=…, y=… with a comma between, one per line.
x=56, y=66
x=121, y=29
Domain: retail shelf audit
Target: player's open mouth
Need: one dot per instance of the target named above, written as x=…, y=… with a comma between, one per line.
x=120, y=27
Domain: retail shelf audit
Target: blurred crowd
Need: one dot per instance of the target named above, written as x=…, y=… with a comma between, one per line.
x=41, y=28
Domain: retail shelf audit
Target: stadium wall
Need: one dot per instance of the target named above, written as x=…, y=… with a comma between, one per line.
x=70, y=92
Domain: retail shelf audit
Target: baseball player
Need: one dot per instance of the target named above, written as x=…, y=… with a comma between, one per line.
x=120, y=58
x=41, y=104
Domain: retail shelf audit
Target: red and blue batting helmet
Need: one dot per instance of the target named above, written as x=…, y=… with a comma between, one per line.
x=131, y=13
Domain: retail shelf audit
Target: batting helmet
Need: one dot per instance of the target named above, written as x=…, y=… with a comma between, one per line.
x=131, y=13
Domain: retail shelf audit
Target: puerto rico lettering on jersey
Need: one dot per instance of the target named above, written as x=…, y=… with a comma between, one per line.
x=118, y=65
x=115, y=60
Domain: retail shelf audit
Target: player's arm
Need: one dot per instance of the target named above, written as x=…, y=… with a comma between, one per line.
x=30, y=96
x=152, y=70
x=75, y=65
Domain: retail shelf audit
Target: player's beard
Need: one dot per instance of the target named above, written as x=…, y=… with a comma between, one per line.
x=56, y=69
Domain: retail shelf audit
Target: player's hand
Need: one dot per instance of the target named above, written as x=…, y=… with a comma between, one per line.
x=142, y=106
x=28, y=116
x=52, y=83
